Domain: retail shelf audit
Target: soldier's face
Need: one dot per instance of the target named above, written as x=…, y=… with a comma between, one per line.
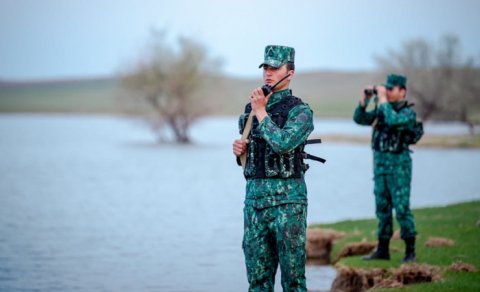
x=272, y=75
x=395, y=94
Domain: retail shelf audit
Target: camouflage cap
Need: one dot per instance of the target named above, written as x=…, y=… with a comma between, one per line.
x=396, y=80
x=276, y=56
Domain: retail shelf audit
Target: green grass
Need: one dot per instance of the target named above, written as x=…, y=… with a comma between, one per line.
x=458, y=222
x=453, y=281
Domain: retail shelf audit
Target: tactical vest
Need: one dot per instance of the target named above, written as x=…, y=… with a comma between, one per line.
x=392, y=139
x=262, y=161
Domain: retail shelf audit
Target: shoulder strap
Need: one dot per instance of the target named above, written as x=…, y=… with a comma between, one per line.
x=286, y=104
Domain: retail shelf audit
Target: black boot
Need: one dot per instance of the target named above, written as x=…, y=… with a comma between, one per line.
x=409, y=250
x=381, y=253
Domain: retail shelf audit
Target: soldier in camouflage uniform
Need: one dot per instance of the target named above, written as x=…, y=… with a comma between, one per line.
x=275, y=208
x=393, y=123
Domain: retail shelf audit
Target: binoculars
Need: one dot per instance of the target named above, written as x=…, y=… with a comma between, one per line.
x=370, y=92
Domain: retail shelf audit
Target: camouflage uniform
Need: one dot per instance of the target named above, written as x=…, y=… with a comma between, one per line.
x=392, y=164
x=275, y=207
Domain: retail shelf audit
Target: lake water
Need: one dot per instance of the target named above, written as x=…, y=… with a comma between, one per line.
x=91, y=203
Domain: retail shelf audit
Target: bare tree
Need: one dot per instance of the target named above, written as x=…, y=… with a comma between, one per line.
x=443, y=84
x=169, y=80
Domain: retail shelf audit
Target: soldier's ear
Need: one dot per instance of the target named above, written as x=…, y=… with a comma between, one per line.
x=291, y=72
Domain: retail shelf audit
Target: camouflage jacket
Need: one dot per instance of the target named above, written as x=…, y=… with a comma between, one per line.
x=389, y=154
x=267, y=192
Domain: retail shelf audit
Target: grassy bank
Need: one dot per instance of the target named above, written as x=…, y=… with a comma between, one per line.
x=460, y=223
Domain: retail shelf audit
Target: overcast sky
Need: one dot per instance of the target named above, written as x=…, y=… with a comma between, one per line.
x=51, y=39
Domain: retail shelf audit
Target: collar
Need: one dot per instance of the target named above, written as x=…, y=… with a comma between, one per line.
x=399, y=104
x=278, y=95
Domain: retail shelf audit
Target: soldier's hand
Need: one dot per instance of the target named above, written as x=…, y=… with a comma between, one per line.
x=382, y=94
x=239, y=147
x=259, y=103
x=364, y=98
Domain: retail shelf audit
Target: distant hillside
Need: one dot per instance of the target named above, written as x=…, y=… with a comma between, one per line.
x=330, y=94
x=64, y=96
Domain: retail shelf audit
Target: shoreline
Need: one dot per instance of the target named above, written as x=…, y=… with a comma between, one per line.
x=427, y=141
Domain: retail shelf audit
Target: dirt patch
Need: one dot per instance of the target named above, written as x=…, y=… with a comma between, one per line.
x=349, y=280
x=355, y=279
x=319, y=244
x=416, y=273
x=462, y=267
x=439, y=241
x=356, y=248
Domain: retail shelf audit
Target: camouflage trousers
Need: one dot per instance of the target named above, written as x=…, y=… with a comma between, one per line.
x=392, y=190
x=275, y=235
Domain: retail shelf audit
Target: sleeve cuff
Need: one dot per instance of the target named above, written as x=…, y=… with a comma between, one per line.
x=264, y=124
x=362, y=108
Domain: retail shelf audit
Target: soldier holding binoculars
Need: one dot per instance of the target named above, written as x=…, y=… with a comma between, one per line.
x=394, y=129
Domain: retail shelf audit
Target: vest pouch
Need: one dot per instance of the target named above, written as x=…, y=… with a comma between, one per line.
x=287, y=165
x=387, y=140
x=250, y=165
x=271, y=163
x=393, y=143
